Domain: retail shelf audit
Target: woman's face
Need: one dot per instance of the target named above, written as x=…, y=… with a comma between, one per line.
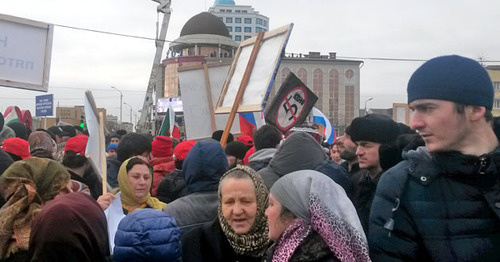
x=140, y=181
x=334, y=154
x=275, y=222
x=239, y=203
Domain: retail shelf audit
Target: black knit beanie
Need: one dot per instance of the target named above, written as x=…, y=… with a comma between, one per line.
x=236, y=149
x=452, y=78
x=374, y=128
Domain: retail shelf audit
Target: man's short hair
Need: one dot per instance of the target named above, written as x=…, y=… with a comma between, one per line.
x=460, y=109
x=132, y=144
x=217, y=135
x=266, y=136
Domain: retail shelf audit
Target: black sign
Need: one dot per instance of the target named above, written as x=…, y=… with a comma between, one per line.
x=291, y=105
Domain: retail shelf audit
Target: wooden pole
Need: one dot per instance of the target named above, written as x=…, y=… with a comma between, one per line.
x=103, y=154
x=208, y=89
x=241, y=89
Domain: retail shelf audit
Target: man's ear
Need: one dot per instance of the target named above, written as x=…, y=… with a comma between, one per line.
x=476, y=112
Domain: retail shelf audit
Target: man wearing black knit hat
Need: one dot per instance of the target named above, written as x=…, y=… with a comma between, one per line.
x=442, y=203
x=369, y=133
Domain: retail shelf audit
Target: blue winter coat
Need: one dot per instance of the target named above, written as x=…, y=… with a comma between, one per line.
x=147, y=235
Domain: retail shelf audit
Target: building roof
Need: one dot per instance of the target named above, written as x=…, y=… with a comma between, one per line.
x=224, y=2
x=205, y=23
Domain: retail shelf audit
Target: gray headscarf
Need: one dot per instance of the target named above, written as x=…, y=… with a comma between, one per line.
x=321, y=205
x=42, y=144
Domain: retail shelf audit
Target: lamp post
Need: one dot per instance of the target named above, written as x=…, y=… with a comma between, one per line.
x=130, y=111
x=369, y=99
x=121, y=102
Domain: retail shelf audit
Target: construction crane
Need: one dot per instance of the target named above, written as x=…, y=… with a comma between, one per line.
x=155, y=85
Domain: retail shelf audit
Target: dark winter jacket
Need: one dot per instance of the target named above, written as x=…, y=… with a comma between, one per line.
x=363, y=193
x=113, y=166
x=5, y=162
x=172, y=187
x=91, y=180
x=147, y=235
x=208, y=243
x=260, y=159
x=161, y=167
x=202, y=168
x=313, y=249
x=446, y=208
x=301, y=151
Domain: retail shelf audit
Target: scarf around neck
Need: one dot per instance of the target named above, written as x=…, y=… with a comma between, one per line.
x=255, y=242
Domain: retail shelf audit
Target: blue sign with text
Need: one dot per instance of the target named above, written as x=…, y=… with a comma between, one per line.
x=44, y=105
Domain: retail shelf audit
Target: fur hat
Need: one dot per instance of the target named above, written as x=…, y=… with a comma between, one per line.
x=452, y=78
x=374, y=128
x=161, y=146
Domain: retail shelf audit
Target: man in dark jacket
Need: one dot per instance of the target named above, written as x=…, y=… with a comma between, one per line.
x=266, y=140
x=442, y=203
x=369, y=132
x=301, y=151
x=202, y=169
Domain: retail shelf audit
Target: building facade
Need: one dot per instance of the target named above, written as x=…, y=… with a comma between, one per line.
x=242, y=21
x=336, y=82
x=73, y=115
x=494, y=72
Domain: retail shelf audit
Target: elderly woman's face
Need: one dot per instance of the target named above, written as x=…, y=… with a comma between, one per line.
x=275, y=222
x=140, y=180
x=239, y=203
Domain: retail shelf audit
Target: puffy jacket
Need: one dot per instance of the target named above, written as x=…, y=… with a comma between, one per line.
x=202, y=168
x=301, y=151
x=261, y=158
x=161, y=167
x=147, y=235
x=440, y=207
x=171, y=187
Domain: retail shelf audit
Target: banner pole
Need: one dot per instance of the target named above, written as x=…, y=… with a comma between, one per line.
x=103, y=153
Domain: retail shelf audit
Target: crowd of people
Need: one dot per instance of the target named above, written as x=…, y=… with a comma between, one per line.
x=383, y=191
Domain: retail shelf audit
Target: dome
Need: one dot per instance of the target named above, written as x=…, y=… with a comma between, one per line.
x=224, y=2
x=205, y=23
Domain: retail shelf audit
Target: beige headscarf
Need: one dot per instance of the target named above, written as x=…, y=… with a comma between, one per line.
x=26, y=185
x=127, y=195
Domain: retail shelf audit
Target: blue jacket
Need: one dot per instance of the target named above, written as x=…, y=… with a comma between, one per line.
x=437, y=207
x=147, y=235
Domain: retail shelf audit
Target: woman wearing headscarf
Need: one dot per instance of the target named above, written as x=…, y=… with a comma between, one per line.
x=134, y=186
x=42, y=145
x=70, y=228
x=311, y=219
x=240, y=231
x=26, y=186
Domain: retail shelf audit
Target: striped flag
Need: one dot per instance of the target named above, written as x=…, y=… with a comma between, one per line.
x=325, y=127
x=247, y=123
x=168, y=126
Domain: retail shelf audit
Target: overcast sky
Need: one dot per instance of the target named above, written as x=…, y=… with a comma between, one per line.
x=363, y=29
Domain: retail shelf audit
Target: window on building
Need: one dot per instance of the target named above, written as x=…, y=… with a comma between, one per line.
x=230, y=28
x=246, y=37
x=496, y=105
x=284, y=74
x=496, y=85
x=223, y=10
x=237, y=11
x=229, y=11
x=237, y=20
x=318, y=87
x=258, y=21
x=248, y=20
x=302, y=75
x=229, y=19
x=349, y=104
x=244, y=11
x=248, y=29
x=237, y=28
x=333, y=86
x=264, y=22
x=237, y=38
x=258, y=29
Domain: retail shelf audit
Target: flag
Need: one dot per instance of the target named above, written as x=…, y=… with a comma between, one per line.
x=168, y=126
x=325, y=128
x=247, y=123
x=12, y=114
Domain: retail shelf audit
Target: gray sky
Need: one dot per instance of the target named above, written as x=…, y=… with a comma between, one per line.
x=363, y=29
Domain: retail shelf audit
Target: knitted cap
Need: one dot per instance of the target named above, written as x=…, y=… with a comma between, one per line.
x=236, y=149
x=77, y=144
x=112, y=147
x=161, y=146
x=374, y=128
x=17, y=146
x=182, y=149
x=452, y=78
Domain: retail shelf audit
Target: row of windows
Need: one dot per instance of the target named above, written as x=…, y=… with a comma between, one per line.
x=237, y=20
x=245, y=29
x=260, y=21
x=230, y=11
x=238, y=37
x=496, y=85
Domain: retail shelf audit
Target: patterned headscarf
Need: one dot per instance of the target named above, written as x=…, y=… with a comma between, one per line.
x=42, y=144
x=26, y=185
x=127, y=195
x=255, y=242
x=321, y=205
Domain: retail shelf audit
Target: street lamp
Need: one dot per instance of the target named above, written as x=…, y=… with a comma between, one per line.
x=121, y=102
x=369, y=99
x=130, y=111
